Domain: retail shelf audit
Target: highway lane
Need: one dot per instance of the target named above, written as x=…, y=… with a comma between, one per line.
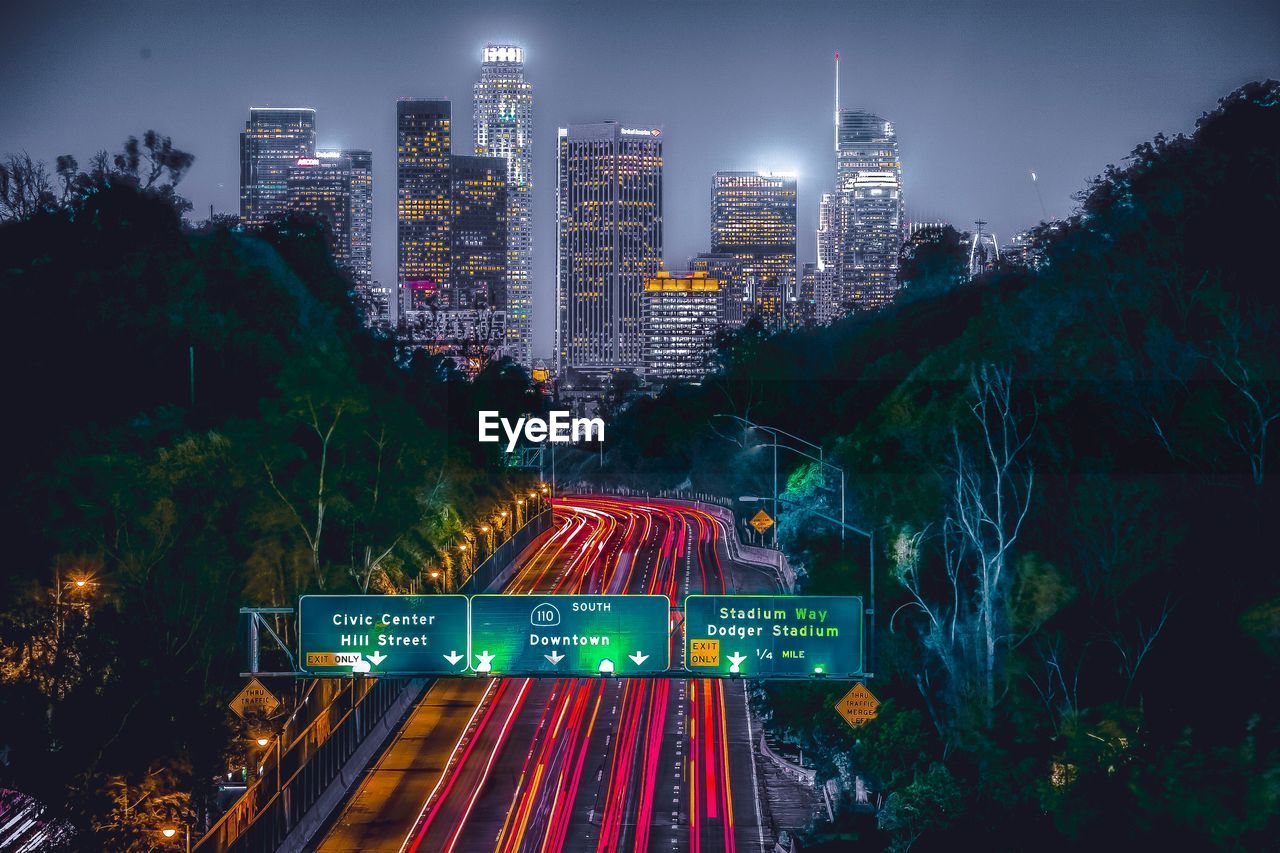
x=579, y=764
x=390, y=797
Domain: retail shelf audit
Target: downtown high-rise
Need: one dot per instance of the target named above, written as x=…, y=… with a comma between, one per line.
x=337, y=187
x=869, y=211
x=424, y=206
x=320, y=189
x=609, y=242
x=753, y=218
x=478, y=231
x=682, y=314
x=504, y=128
x=360, y=164
x=272, y=142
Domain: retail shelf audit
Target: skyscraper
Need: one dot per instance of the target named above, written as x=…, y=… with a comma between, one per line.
x=609, y=235
x=423, y=200
x=504, y=128
x=819, y=285
x=681, y=315
x=869, y=185
x=321, y=189
x=734, y=292
x=272, y=142
x=753, y=218
x=829, y=232
x=361, y=166
x=478, y=255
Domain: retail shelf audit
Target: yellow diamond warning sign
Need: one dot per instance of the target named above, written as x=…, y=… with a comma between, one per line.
x=761, y=521
x=858, y=706
x=255, y=699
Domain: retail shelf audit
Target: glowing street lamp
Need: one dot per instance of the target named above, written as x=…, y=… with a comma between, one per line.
x=263, y=741
x=169, y=832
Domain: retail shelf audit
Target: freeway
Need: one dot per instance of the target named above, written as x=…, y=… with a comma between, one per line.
x=519, y=764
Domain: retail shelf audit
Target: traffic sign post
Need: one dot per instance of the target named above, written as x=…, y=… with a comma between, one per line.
x=859, y=706
x=761, y=522
x=570, y=634
x=382, y=634
x=773, y=636
x=254, y=699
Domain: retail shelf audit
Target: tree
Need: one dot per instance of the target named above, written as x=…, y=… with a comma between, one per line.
x=932, y=802
x=25, y=187
x=932, y=261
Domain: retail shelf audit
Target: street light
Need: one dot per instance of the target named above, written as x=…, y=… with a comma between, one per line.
x=775, y=432
x=817, y=459
x=871, y=559
x=169, y=832
x=263, y=741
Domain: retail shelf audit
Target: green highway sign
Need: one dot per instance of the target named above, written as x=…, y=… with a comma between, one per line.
x=773, y=636
x=382, y=634
x=570, y=634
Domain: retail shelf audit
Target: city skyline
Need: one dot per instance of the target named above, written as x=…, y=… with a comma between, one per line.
x=1073, y=93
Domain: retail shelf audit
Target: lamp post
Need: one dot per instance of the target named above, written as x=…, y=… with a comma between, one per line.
x=775, y=432
x=871, y=583
x=817, y=459
x=169, y=832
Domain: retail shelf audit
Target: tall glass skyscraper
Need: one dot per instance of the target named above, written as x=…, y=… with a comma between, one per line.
x=753, y=218
x=609, y=235
x=361, y=169
x=504, y=128
x=272, y=142
x=869, y=186
x=423, y=200
x=478, y=258
x=320, y=187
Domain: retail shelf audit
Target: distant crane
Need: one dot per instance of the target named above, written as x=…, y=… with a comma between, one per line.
x=1035, y=182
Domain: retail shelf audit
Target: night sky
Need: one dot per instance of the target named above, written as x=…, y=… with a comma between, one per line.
x=980, y=92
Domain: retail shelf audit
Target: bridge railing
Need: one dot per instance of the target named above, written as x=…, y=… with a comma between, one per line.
x=291, y=780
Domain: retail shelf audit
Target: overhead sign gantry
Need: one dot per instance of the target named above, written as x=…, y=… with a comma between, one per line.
x=773, y=636
x=725, y=636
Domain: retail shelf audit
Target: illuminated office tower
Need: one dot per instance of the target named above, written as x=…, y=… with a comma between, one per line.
x=423, y=201
x=819, y=288
x=734, y=292
x=272, y=142
x=478, y=257
x=753, y=218
x=682, y=312
x=320, y=188
x=504, y=128
x=361, y=255
x=829, y=232
x=609, y=236
x=869, y=183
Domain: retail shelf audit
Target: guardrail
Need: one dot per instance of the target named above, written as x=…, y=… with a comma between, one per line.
x=718, y=505
x=291, y=780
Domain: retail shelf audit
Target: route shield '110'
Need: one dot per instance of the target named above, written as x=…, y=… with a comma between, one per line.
x=570, y=634
x=382, y=634
x=773, y=636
